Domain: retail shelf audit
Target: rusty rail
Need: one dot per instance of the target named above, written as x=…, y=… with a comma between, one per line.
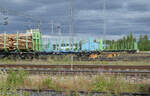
x=105, y=67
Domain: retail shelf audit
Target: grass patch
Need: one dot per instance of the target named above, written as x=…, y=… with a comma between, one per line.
x=99, y=83
x=67, y=60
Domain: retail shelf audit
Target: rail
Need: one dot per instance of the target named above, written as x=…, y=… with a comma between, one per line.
x=84, y=66
x=34, y=92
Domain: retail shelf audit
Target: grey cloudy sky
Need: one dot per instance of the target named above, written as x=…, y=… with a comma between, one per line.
x=122, y=16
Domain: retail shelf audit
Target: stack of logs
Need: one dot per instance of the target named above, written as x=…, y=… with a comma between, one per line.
x=9, y=41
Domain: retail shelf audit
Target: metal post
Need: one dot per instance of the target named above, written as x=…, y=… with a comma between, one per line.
x=71, y=62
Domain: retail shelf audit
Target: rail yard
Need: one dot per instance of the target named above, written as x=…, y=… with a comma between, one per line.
x=74, y=48
x=133, y=71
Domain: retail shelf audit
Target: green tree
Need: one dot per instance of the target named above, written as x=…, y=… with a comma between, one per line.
x=140, y=43
x=144, y=43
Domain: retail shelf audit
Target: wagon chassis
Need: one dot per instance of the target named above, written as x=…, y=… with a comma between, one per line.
x=32, y=54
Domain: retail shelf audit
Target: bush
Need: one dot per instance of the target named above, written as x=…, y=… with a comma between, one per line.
x=47, y=83
x=112, y=84
x=15, y=79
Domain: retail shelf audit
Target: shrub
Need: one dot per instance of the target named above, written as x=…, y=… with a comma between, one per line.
x=47, y=83
x=15, y=79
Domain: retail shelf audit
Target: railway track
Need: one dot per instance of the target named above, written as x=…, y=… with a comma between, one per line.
x=145, y=74
x=34, y=92
x=142, y=71
x=104, y=67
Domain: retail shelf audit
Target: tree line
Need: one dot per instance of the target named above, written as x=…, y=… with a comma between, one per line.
x=144, y=43
x=129, y=43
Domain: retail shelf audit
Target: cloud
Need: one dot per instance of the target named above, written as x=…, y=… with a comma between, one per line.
x=122, y=16
x=89, y=15
x=19, y=1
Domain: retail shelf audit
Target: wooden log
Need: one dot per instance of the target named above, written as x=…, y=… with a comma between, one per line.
x=11, y=41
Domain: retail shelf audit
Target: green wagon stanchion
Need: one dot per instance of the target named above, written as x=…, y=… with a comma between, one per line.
x=94, y=43
x=98, y=45
x=60, y=45
x=33, y=40
x=72, y=44
x=63, y=45
x=46, y=44
x=37, y=40
x=110, y=46
x=83, y=45
x=135, y=46
x=5, y=37
x=66, y=45
x=89, y=44
x=78, y=45
x=56, y=45
x=49, y=45
x=101, y=45
x=75, y=45
x=40, y=41
x=41, y=46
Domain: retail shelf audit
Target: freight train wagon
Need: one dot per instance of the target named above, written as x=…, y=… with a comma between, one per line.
x=32, y=43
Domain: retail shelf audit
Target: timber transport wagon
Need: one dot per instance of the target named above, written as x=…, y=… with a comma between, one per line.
x=31, y=44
